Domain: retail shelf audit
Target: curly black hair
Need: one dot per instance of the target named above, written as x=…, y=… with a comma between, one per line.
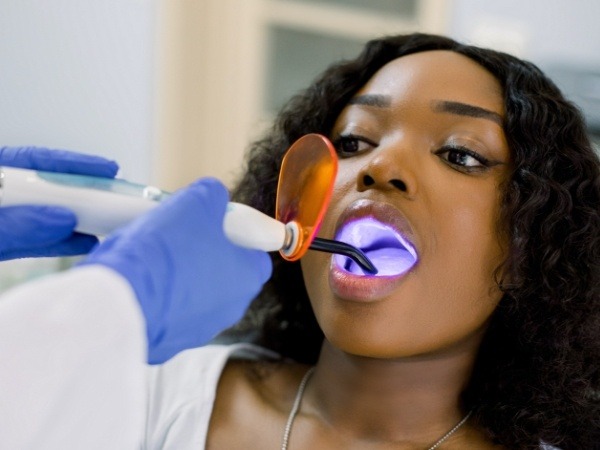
x=536, y=378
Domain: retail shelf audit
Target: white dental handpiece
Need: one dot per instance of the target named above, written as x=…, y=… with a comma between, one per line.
x=105, y=204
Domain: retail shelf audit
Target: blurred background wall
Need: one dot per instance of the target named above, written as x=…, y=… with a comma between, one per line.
x=175, y=89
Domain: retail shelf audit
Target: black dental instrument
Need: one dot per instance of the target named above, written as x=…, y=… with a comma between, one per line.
x=331, y=246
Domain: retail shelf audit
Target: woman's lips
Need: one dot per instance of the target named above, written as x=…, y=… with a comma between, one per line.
x=386, y=237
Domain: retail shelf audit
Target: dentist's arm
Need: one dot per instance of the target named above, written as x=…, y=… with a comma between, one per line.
x=176, y=259
x=73, y=346
x=189, y=279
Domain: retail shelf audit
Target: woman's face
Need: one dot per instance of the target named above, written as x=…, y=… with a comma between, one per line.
x=422, y=160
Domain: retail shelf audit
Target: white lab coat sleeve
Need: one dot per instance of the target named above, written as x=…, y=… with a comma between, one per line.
x=72, y=363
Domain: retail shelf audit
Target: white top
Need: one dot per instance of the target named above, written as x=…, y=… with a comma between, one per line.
x=182, y=395
x=72, y=363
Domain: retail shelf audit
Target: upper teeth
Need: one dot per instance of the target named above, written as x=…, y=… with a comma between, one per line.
x=370, y=234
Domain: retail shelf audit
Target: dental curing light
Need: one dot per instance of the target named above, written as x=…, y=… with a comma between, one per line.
x=102, y=205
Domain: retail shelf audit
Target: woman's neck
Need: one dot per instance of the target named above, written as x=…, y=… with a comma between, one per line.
x=412, y=399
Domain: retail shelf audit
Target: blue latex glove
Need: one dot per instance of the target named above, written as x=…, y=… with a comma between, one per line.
x=37, y=230
x=190, y=280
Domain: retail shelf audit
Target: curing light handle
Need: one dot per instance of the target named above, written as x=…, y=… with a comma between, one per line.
x=102, y=205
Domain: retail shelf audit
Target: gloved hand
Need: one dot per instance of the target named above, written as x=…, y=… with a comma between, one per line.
x=190, y=280
x=37, y=230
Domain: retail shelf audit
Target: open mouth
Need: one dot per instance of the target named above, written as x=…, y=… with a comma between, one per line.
x=390, y=252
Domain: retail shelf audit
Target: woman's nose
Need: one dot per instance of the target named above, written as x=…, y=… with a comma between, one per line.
x=387, y=169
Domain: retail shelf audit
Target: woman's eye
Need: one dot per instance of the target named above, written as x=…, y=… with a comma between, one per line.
x=462, y=157
x=350, y=145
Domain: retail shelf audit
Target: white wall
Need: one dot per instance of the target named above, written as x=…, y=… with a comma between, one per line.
x=79, y=74
x=543, y=31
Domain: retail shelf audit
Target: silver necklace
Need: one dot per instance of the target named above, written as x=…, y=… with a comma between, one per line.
x=296, y=406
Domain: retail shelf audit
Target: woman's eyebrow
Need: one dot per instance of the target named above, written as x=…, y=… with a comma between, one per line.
x=380, y=101
x=464, y=109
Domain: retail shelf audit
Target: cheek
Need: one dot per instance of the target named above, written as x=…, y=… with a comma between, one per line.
x=470, y=235
x=465, y=254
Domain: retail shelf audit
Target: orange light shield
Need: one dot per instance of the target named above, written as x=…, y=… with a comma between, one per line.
x=306, y=179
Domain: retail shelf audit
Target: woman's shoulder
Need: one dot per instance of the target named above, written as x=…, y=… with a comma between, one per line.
x=253, y=402
x=195, y=373
x=182, y=392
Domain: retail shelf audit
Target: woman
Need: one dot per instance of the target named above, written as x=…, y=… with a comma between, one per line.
x=488, y=338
